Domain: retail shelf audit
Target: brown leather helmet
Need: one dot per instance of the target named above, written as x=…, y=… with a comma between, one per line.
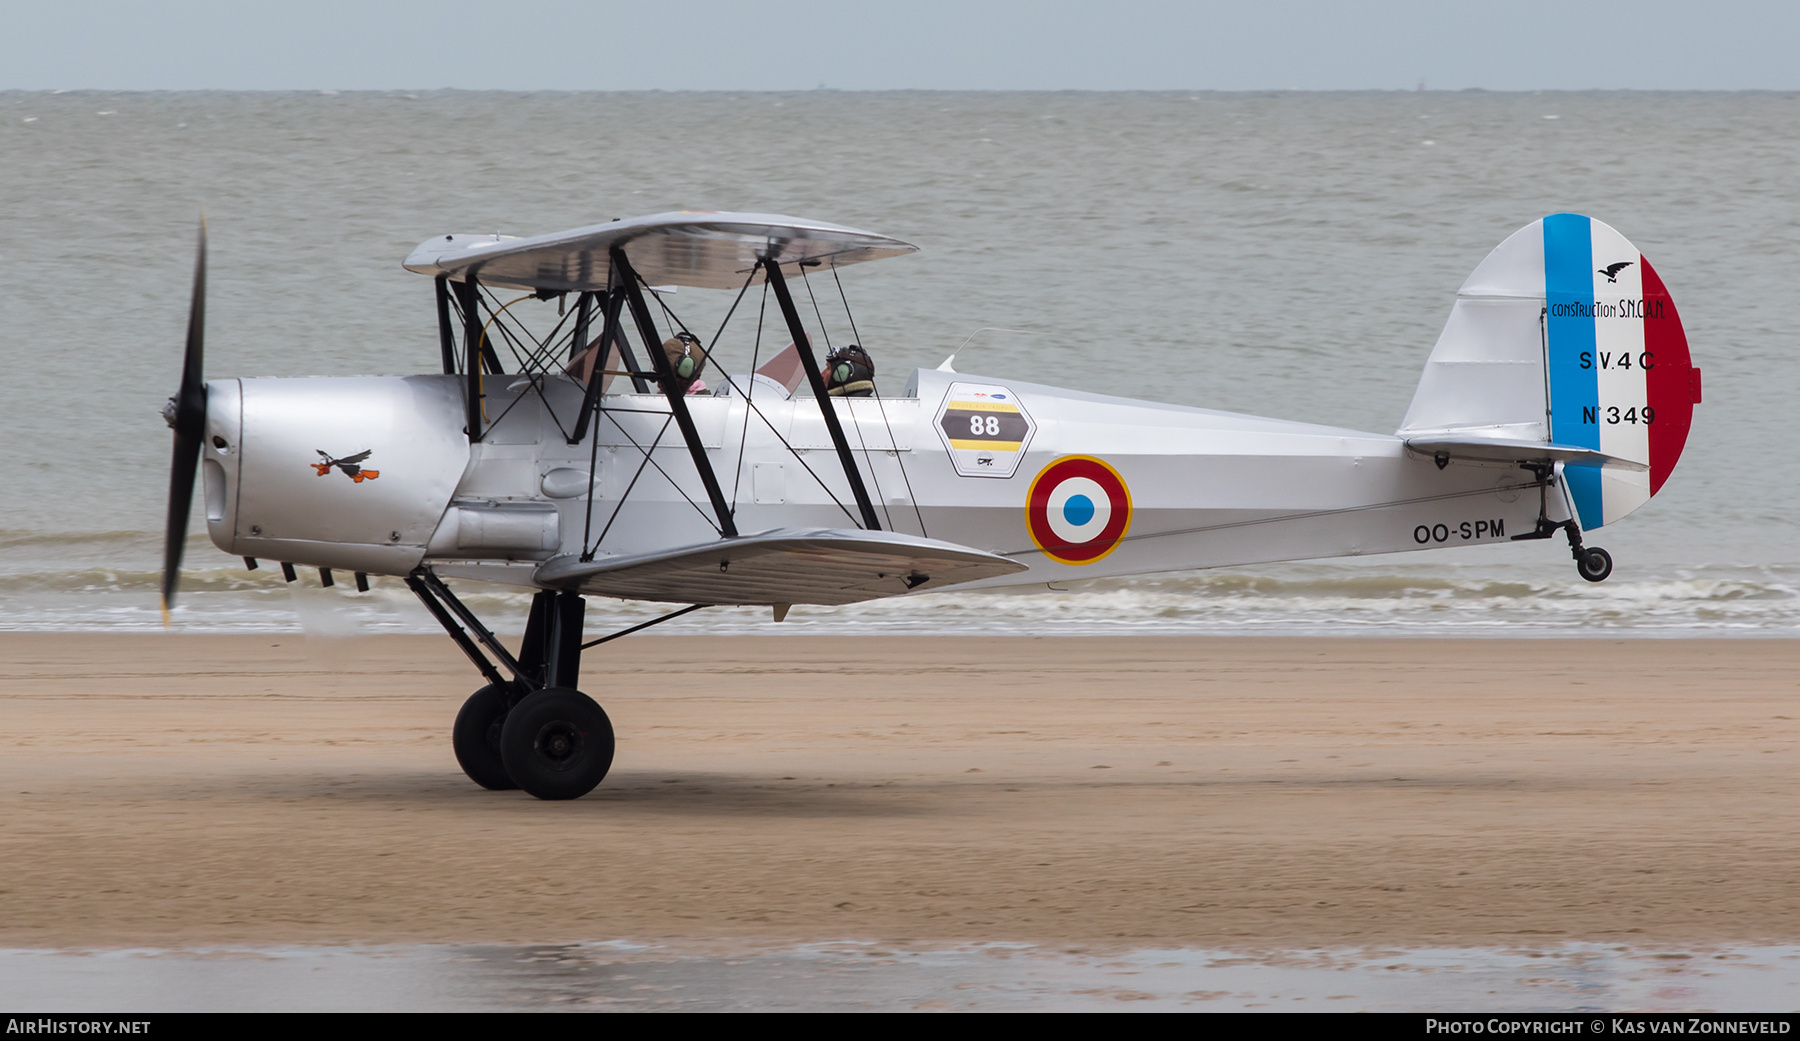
x=847, y=366
x=686, y=357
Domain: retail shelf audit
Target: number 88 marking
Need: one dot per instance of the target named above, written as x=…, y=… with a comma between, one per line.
x=988, y=425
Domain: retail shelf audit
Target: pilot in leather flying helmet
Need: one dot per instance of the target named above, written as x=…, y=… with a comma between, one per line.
x=849, y=372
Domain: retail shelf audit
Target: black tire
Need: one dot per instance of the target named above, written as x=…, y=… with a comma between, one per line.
x=557, y=743
x=1595, y=564
x=476, y=737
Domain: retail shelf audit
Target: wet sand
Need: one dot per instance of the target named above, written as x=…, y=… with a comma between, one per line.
x=181, y=791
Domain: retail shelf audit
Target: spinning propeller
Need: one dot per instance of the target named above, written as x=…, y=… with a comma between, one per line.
x=186, y=415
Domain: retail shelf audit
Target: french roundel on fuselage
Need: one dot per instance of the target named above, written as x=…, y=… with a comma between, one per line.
x=1077, y=509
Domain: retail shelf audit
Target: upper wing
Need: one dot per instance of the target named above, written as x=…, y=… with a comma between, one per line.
x=785, y=566
x=699, y=249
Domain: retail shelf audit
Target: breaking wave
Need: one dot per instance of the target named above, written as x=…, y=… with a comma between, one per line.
x=1313, y=599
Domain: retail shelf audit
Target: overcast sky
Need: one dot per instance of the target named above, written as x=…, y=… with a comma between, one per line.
x=920, y=44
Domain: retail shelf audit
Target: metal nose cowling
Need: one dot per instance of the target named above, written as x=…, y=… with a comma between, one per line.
x=349, y=472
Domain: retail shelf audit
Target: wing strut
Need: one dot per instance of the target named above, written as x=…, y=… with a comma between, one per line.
x=584, y=307
x=827, y=404
x=671, y=388
x=609, y=331
x=475, y=347
x=446, y=332
x=468, y=297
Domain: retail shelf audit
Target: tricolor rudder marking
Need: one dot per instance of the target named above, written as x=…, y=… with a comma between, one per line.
x=1616, y=361
x=1674, y=382
x=1078, y=509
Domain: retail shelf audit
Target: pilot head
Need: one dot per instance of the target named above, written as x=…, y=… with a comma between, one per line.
x=686, y=357
x=849, y=372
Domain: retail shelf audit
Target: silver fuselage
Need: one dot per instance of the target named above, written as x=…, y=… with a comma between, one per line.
x=1205, y=488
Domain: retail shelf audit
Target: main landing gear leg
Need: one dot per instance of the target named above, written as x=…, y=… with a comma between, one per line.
x=534, y=731
x=556, y=742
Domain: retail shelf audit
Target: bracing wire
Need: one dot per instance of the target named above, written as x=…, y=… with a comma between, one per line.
x=847, y=312
x=899, y=460
x=672, y=482
x=732, y=383
x=538, y=357
x=720, y=331
x=587, y=551
x=737, y=477
x=851, y=409
x=482, y=340
x=675, y=319
x=530, y=362
x=807, y=282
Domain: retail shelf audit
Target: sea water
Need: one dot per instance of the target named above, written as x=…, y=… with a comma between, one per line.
x=862, y=976
x=1284, y=254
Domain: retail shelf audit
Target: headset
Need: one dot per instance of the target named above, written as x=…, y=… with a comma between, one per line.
x=688, y=365
x=848, y=364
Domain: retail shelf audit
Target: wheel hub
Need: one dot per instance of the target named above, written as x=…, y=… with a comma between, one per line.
x=560, y=743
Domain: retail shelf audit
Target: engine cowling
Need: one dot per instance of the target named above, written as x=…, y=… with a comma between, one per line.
x=341, y=472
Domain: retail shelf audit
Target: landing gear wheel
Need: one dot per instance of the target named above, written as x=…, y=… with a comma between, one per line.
x=476, y=737
x=557, y=743
x=1594, y=564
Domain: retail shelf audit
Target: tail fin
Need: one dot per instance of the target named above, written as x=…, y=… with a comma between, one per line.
x=1565, y=336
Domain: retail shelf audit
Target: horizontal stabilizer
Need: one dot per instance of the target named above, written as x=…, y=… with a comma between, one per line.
x=826, y=566
x=1515, y=450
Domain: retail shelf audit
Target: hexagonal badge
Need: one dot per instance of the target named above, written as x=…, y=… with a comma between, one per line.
x=986, y=428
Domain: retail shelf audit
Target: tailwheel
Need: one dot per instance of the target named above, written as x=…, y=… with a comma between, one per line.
x=557, y=743
x=476, y=737
x=1594, y=563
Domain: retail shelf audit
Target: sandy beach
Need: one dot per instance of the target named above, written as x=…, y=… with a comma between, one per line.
x=174, y=790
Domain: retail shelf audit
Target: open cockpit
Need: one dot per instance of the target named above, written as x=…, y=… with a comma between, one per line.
x=619, y=375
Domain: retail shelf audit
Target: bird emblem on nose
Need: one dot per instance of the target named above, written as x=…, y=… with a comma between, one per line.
x=351, y=465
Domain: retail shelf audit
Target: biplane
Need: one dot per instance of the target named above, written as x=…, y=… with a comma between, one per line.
x=581, y=440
